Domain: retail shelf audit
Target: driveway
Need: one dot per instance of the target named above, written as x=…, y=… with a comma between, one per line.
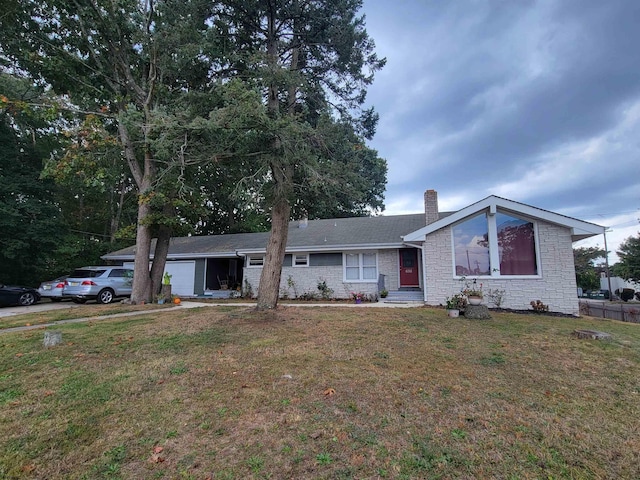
x=38, y=307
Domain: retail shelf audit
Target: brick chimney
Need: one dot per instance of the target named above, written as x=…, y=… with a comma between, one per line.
x=430, y=206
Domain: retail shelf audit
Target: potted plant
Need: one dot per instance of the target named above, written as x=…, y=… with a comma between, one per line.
x=473, y=292
x=454, y=304
x=165, y=289
x=161, y=299
x=358, y=296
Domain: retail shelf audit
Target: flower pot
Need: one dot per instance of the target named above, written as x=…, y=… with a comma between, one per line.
x=453, y=313
x=358, y=300
x=161, y=301
x=475, y=300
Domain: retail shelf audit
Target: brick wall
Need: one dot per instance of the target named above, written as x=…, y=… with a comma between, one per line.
x=556, y=286
x=388, y=266
x=306, y=280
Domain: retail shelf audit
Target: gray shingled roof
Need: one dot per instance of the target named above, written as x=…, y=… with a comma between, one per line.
x=337, y=233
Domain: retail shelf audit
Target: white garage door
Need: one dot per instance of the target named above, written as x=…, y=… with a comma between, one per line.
x=183, y=275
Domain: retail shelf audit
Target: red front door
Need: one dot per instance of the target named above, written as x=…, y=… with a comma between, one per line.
x=409, y=276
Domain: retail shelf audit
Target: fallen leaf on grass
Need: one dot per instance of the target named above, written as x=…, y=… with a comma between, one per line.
x=19, y=354
x=156, y=458
x=27, y=324
x=329, y=392
x=29, y=468
x=48, y=393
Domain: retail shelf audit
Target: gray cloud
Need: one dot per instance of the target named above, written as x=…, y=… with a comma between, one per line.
x=537, y=101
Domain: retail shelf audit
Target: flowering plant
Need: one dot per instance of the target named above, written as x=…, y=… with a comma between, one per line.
x=358, y=296
x=456, y=302
x=472, y=289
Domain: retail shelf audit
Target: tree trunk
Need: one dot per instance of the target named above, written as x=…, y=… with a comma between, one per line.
x=141, y=290
x=269, y=288
x=160, y=259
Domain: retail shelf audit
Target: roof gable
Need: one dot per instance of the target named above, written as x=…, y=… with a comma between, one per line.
x=579, y=229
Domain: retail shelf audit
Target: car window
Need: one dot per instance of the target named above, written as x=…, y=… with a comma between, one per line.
x=82, y=273
x=118, y=272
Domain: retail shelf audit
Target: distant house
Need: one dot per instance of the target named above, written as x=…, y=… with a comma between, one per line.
x=617, y=283
x=502, y=244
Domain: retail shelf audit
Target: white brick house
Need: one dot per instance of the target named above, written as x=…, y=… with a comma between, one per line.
x=505, y=245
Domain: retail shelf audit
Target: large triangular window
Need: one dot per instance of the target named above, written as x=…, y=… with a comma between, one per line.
x=495, y=245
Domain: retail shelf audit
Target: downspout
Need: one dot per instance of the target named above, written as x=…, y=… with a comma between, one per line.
x=424, y=271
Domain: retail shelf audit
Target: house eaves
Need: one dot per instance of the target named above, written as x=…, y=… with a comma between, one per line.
x=579, y=228
x=339, y=234
x=329, y=248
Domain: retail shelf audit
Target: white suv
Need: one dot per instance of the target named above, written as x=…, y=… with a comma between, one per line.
x=102, y=284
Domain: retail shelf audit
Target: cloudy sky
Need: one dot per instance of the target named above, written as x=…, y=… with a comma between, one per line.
x=537, y=101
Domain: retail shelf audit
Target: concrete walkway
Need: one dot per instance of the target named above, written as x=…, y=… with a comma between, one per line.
x=193, y=304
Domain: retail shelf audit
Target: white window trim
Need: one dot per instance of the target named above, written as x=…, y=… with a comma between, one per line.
x=296, y=265
x=494, y=251
x=360, y=278
x=252, y=258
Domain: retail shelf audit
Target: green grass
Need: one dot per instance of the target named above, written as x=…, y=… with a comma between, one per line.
x=329, y=393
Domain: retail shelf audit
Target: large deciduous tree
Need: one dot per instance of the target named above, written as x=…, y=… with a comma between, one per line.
x=628, y=267
x=584, y=259
x=30, y=221
x=125, y=60
x=290, y=138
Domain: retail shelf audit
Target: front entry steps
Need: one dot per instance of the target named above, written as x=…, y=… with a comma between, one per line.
x=404, y=295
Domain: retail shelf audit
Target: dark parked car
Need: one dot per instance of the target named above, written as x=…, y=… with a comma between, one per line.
x=14, y=295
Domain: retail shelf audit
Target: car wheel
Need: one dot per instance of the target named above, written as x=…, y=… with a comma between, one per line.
x=105, y=296
x=78, y=300
x=27, y=299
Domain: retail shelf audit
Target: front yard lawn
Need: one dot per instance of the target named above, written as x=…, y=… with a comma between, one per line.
x=335, y=393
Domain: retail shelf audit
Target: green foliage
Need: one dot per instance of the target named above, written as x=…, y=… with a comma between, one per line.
x=587, y=275
x=31, y=224
x=204, y=110
x=629, y=265
x=456, y=302
x=326, y=293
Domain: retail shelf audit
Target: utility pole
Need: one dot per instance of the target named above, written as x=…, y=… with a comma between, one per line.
x=606, y=262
